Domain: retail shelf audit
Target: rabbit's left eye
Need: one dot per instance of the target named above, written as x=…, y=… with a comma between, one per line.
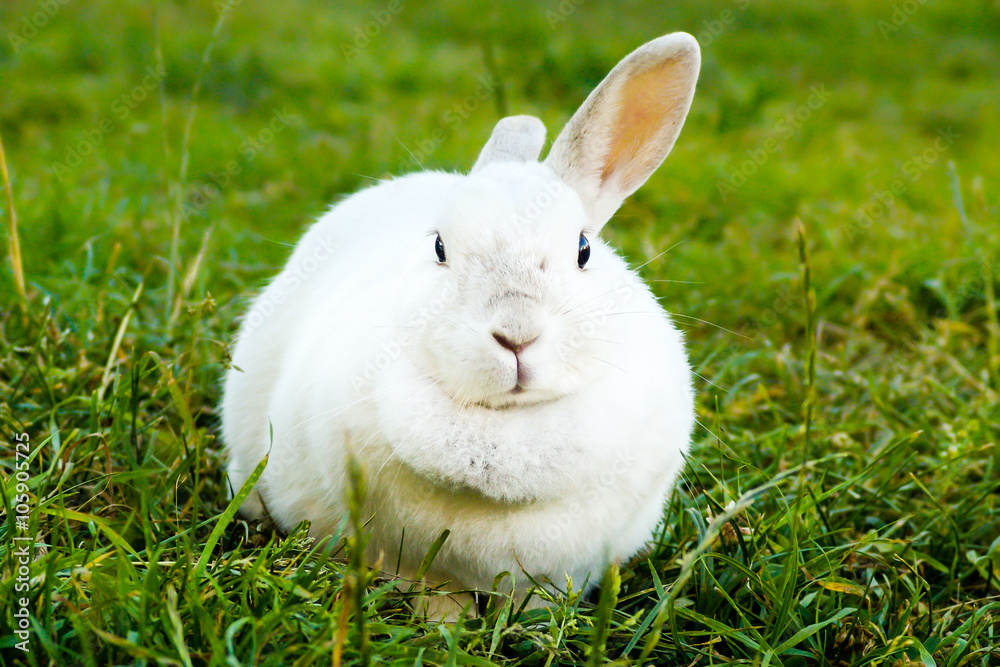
x=584, y=252
x=439, y=249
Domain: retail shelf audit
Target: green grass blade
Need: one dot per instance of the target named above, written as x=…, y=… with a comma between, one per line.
x=432, y=553
x=810, y=630
x=226, y=517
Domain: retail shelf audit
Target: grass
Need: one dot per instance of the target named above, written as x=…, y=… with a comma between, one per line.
x=841, y=502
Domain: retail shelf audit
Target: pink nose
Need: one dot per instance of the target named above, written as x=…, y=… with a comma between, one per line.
x=508, y=344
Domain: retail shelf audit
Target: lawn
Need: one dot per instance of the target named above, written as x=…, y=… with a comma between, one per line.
x=826, y=231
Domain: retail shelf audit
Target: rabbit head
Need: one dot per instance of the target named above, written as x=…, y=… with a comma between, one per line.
x=512, y=256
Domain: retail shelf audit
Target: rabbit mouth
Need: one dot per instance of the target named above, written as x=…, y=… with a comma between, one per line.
x=519, y=397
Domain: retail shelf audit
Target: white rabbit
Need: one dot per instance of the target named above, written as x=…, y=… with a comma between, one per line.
x=495, y=367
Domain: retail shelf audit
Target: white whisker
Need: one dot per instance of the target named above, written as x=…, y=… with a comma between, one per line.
x=711, y=324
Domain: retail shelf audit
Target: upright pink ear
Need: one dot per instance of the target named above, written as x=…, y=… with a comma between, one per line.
x=627, y=126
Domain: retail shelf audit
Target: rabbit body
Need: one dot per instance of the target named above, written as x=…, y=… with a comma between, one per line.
x=447, y=331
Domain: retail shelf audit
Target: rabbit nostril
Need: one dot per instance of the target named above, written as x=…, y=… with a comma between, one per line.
x=505, y=342
x=508, y=344
x=512, y=345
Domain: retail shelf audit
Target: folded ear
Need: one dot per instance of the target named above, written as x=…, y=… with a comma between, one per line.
x=514, y=139
x=627, y=126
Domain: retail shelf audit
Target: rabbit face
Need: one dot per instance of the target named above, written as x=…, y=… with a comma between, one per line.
x=510, y=333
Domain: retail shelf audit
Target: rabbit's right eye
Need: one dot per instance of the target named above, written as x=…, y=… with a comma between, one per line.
x=583, y=254
x=439, y=249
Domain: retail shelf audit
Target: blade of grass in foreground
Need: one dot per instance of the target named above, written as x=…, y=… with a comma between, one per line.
x=664, y=610
x=13, y=240
x=432, y=553
x=72, y=515
x=610, y=588
x=227, y=516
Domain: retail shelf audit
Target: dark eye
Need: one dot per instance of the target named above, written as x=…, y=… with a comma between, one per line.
x=439, y=249
x=584, y=255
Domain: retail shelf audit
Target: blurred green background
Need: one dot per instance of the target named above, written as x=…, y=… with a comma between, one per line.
x=365, y=99
x=892, y=80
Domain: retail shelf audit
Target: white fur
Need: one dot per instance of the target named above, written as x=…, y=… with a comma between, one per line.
x=514, y=139
x=366, y=345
